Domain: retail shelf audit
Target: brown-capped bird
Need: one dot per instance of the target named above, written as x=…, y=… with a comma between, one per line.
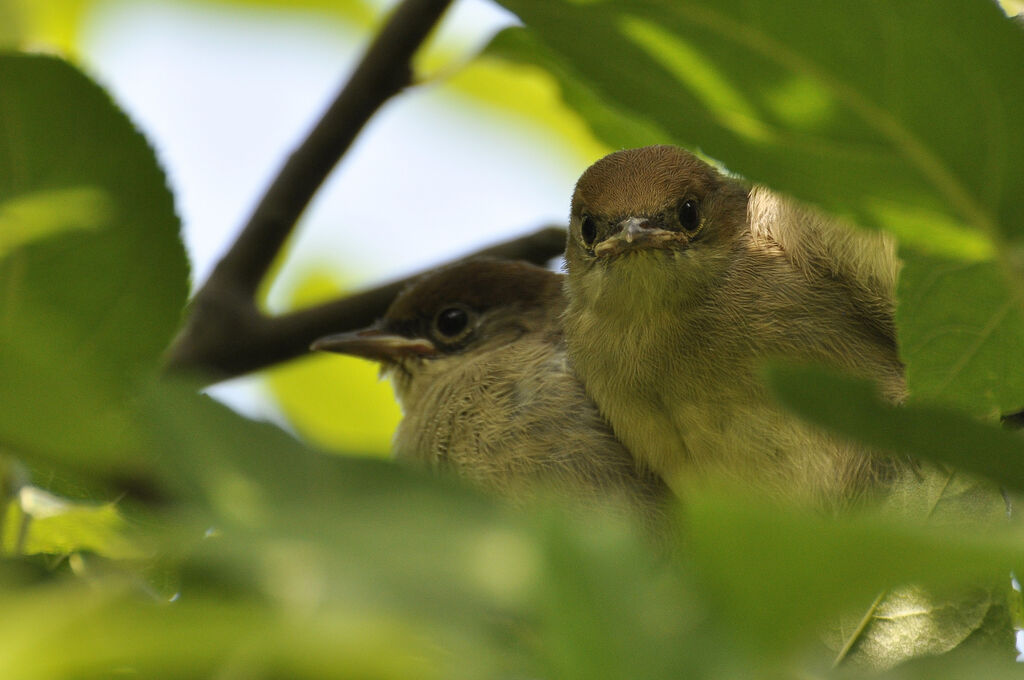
x=477, y=361
x=682, y=281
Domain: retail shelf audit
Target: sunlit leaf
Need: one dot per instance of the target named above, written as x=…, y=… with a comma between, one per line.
x=27, y=218
x=11, y=29
x=910, y=622
x=44, y=523
x=518, y=73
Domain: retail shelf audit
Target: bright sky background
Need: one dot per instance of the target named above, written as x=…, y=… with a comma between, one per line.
x=225, y=93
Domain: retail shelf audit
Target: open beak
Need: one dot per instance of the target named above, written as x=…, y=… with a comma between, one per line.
x=375, y=344
x=638, y=233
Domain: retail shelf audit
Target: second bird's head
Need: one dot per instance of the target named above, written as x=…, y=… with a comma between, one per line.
x=451, y=315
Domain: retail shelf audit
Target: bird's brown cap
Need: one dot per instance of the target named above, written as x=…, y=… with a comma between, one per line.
x=438, y=313
x=642, y=181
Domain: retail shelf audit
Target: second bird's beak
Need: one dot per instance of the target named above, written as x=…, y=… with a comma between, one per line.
x=636, y=233
x=376, y=344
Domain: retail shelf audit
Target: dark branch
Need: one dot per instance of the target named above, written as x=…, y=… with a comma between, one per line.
x=226, y=336
x=223, y=317
x=383, y=72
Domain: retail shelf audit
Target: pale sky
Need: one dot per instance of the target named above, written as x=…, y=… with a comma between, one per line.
x=225, y=93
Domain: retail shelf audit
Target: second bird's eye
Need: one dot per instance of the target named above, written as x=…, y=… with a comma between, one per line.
x=689, y=215
x=451, y=321
x=588, y=230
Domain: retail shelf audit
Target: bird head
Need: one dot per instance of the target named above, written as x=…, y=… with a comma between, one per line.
x=462, y=309
x=657, y=202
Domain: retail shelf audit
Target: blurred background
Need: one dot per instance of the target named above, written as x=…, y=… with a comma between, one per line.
x=479, y=153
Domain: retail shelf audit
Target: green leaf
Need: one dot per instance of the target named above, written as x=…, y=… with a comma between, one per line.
x=853, y=409
x=847, y=106
x=618, y=129
x=944, y=497
x=104, y=632
x=313, y=530
x=910, y=622
x=42, y=523
x=37, y=215
x=608, y=609
x=392, y=532
x=961, y=335
x=94, y=275
x=776, y=576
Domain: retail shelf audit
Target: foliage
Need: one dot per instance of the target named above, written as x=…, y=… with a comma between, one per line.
x=237, y=551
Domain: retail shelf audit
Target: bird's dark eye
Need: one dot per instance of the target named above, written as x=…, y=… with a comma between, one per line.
x=588, y=230
x=451, y=321
x=689, y=215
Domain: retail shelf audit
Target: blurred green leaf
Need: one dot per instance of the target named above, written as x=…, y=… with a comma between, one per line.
x=94, y=277
x=59, y=23
x=610, y=608
x=854, y=410
x=961, y=336
x=57, y=526
x=777, y=575
x=310, y=530
x=35, y=216
x=11, y=29
x=67, y=630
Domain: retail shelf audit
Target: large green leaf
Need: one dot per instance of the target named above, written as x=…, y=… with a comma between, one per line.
x=326, y=531
x=855, y=107
x=93, y=275
x=961, y=335
x=68, y=630
x=339, y=533
x=617, y=129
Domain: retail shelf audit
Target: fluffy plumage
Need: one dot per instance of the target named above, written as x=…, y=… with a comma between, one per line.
x=682, y=281
x=494, y=400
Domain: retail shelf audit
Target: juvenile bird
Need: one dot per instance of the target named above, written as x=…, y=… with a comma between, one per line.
x=682, y=281
x=477, y=361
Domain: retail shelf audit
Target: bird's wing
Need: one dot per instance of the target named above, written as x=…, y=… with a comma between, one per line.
x=821, y=245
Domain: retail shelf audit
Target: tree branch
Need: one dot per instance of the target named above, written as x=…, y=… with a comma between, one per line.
x=223, y=315
x=226, y=336
x=382, y=73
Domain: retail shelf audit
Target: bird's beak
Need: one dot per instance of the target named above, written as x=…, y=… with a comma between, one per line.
x=375, y=344
x=637, y=233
